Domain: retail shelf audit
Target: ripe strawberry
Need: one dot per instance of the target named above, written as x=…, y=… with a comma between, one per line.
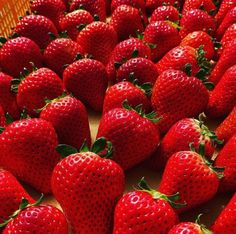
x=61, y=52
x=70, y=120
x=87, y=80
x=52, y=9
x=28, y=151
x=141, y=69
x=99, y=40
x=176, y=96
x=75, y=20
x=223, y=98
x=139, y=4
x=191, y=169
x=12, y=193
x=151, y=5
x=17, y=53
x=127, y=128
x=227, y=159
x=145, y=211
x=160, y=32
x=39, y=85
x=2, y=118
x=122, y=91
x=196, y=20
x=127, y=21
x=228, y=127
x=37, y=28
x=93, y=186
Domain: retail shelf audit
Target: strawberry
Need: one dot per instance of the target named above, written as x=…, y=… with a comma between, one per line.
x=145, y=211
x=74, y=21
x=223, y=98
x=160, y=32
x=52, y=9
x=139, y=4
x=37, y=86
x=70, y=120
x=196, y=20
x=2, y=118
x=87, y=186
x=12, y=193
x=151, y=5
x=125, y=90
x=61, y=52
x=17, y=53
x=191, y=169
x=228, y=127
x=37, y=28
x=127, y=128
x=176, y=96
x=227, y=159
x=98, y=39
x=28, y=152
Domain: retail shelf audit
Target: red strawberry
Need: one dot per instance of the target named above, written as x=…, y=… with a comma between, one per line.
x=2, y=118
x=139, y=4
x=98, y=39
x=126, y=129
x=176, y=96
x=228, y=127
x=70, y=120
x=61, y=52
x=39, y=85
x=151, y=5
x=17, y=53
x=75, y=20
x=223, y=98
x=12, y=193
x=87, y=187
x=227, y=159
x=87, y=80
x=145, y=211
x=37, y=28
x=28, y=151
x=159, y=33
x=122, y=91
x=52, y=9
x=191, y=169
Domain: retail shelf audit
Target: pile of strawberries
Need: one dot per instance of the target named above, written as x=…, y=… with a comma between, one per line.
x=151, y=67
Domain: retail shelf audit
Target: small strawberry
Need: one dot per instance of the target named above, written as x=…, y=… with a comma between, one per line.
x=2, y=119
x=145, y=211
x=159, y=32
x=227, y=159
x=99, y=40
x=37, y=28
x=87, y=186
x=17, y=53
x=28, y=152
x=151, y=5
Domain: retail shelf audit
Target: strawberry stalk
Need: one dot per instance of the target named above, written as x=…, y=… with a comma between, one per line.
x=203, y=227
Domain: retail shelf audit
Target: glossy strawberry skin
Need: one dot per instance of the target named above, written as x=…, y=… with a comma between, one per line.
x=38, y=219
x=2, y=117
x=37, y=28
x=154, y=216
x=17, y=53
x=186, y=227
x=151, y=5
x=226, y=221
x=70, y=120
x=160, y=32
x=11, y=196
x=176, y=96
x=36, y=87
x=165, y=13
x=127, y=129
x=139, y=4
x=87, y=80
x=93, y=186
x=28, y=152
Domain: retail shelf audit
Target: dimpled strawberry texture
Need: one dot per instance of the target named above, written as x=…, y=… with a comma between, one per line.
x=2, y=117
x=88, y=187
x=139, y=4
x=38, y=219
x=186, y=228
x=137, y=212
x=165, y=13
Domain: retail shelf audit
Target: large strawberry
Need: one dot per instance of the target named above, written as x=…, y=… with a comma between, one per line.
x=87, y=186
x=17, y=53
x=28, y=151
x=145, y=211
x=176, y=96
x=127, y=128
x=98, y=39
x=87, y=80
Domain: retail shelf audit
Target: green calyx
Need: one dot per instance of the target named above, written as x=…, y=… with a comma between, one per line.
x=202, y=226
